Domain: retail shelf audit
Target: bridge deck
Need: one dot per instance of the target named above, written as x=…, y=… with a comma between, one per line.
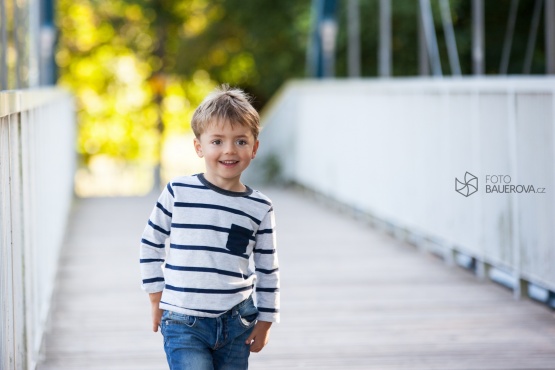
x=352, y=298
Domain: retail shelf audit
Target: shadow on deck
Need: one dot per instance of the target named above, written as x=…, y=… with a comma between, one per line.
x=352, y=298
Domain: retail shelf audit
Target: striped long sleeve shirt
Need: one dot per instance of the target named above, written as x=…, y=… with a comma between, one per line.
x=213, y=233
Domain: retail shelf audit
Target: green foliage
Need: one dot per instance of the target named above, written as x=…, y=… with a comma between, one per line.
x=117, y=57
x=253, y=44
x=138, y=68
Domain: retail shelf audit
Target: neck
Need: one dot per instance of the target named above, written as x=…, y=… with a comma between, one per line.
x=226, y=184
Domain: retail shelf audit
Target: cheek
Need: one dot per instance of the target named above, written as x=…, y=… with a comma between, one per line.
x=248, y=153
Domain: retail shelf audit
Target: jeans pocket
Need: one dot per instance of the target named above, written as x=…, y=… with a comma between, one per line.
x=248, y=314
x=249, y=320
x=174, y=318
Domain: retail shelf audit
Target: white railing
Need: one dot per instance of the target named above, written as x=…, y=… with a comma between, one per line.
x=37, y=159
x=392, y=149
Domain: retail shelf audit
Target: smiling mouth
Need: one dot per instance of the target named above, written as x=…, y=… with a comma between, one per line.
x=229, y=163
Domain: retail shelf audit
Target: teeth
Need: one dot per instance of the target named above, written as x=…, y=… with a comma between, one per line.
x=229, y=162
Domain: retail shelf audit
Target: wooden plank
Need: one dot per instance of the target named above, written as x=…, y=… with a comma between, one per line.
x=356, y=299
x=101, y=318
x=352, y=298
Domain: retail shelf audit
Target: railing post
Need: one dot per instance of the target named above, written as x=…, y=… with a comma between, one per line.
x=3, y=48
x=478, y=44
x=17, y=240
x=354, y=38
x=550, y=36
x=431, y=38
x=384, y=58
x=6, y=292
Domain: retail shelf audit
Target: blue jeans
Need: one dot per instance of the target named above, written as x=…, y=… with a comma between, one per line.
x=202, y=343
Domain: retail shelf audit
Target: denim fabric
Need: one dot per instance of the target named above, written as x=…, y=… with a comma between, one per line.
x=202, y=343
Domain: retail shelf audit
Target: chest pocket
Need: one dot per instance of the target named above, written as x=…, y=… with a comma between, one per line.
x=238, y=239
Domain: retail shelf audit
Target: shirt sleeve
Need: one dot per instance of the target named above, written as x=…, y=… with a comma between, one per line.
x=152, y=252
x=267, y=270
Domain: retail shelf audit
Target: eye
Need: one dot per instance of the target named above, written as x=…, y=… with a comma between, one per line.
x=216, y=142
x=242, y=142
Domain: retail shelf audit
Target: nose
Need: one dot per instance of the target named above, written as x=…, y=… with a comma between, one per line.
x=229, y=148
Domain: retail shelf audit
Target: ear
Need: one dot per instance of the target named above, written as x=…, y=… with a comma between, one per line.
x=198, y=147
x=255, y=149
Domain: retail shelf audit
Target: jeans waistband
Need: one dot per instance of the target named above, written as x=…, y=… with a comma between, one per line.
x=233, y=311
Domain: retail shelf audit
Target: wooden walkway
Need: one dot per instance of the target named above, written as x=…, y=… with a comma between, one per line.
x=352, y=298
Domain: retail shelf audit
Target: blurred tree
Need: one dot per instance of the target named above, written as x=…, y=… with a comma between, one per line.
x=139, y=67
x=118, y=59
x=253, y=44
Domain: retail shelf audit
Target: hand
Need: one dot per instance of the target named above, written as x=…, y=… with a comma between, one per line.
x=155, y=310
x=259, y=336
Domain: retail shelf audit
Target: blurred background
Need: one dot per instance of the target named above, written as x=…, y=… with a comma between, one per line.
x=138, y=69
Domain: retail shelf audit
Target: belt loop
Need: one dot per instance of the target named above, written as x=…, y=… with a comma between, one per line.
x=235, y=309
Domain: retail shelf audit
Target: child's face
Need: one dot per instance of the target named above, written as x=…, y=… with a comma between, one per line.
x=227, y=151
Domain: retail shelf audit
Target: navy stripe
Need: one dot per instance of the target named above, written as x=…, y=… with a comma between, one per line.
x=264, y=309
x=259, y=200
x=163, y=209
x=208, y=291
x=205, y=227
x=267, y=271
x=267, y=290
x=207, y=311
x=148, y=260
x=206, y=269
x=201, y=227
x=189, y=185
x=265, y=231
x=153, y=280
x=156, y=227
x=144, y=241
x=195, y=309
x=205, y=248
x=265, y=251
x=213, y=206
x=170, y=190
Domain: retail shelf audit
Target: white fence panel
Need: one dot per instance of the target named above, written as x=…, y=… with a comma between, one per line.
x=37, y=161
x=393, y=148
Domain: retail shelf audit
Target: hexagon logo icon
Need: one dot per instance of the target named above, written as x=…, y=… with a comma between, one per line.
x=469, y=186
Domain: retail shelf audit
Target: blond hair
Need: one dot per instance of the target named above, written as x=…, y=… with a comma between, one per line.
x=226, y=104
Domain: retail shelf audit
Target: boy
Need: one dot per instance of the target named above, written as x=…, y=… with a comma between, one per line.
x=202, y=297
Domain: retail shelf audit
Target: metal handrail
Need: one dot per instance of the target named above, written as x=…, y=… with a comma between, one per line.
x=392, y=149
x=37, y=161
